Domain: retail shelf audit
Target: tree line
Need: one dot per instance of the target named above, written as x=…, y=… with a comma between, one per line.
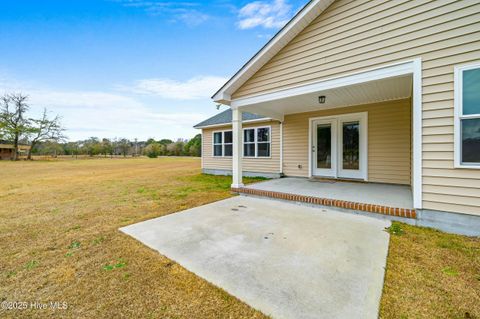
x=105, y=147
x=45, y=136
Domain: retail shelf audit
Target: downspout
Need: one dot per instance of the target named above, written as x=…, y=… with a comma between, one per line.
x=281, y=149
x=201, y=149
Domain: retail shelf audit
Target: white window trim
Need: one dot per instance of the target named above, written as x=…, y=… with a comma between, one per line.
x=256, y=142
x=223, y=143
x=458, y=115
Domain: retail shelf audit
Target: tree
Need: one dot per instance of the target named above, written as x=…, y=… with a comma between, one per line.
x=194, y=146
x=107, y=147
x=124, y=146
x=150, y=141
x=153, y=150
x=44, y=129
x=165, y=141
x=14, y=125
x=92, y=146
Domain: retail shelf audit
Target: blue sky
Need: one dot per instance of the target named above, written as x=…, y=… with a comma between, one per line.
x=130, y=68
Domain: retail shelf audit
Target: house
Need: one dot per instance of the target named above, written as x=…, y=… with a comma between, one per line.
x=7, y=150
x=371, y=92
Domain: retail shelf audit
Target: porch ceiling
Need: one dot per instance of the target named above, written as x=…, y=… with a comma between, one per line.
x=388, y=89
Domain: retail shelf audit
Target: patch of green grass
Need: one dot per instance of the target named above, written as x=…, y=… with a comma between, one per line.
x=31, y=264
x=450, y=271
x=74, y=245
x=98, y=240
x=206, y=182
x=449, y=243
x=11, y=273
x=120, y=264
x=183, y=192
x=395, y=229
x=149, y=192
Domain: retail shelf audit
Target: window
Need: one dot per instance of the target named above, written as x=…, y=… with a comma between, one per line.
x=222, y=143
x=467, y=116
x=256, y=142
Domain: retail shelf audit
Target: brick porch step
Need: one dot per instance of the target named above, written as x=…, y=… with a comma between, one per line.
x=372, y=208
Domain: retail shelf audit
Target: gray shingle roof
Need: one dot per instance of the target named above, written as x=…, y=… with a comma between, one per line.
x=225, y=117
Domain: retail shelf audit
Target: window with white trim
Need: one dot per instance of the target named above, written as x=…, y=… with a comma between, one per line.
x=467, y=116
x=256, y=142
x=222, y=143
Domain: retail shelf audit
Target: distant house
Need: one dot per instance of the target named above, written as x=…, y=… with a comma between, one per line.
x=372, y=92
x=7, y=149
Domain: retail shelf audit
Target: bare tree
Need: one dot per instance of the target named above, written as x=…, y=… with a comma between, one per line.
x=44, y=129
x=14, y=125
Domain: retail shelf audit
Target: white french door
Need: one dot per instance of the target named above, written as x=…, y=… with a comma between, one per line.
x=339, y=146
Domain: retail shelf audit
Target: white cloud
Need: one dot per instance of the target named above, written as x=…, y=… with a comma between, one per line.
x=106, y=114
x=195, y=88
x=272, y=14
x=176, y=11
x=87, y=113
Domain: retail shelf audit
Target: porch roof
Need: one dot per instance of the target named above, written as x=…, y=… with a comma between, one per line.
x=369, y=87
x=225, y=117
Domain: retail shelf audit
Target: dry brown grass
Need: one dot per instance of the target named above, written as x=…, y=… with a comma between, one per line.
x=59, y=239
x=431, y=274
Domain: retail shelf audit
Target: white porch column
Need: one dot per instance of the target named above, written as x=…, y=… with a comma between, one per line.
x=237, y=148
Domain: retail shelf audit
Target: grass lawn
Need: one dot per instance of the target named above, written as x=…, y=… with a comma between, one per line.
x=431, y=274
x=59, y=241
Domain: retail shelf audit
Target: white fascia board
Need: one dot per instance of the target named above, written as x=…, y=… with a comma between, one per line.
x=311, y=10
x=393, y=70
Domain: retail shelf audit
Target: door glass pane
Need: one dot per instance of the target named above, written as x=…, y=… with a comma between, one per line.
x=471, y=141
x=324, y=146
x=471, y=92
x=351, y=145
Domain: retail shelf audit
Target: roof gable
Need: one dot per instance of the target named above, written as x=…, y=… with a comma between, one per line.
x=302, y=19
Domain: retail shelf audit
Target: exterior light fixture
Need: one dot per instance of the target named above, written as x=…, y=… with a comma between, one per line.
x=321, y=99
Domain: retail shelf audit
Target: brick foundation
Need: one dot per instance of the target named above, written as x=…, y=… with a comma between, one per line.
x=372, y=208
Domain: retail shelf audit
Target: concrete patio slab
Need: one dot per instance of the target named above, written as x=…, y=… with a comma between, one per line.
x=370, y=193
x=286, y=260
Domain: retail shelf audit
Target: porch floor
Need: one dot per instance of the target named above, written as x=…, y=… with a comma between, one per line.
x=399, y=196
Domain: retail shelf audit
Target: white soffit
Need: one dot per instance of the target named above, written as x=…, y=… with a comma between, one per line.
x=301, y=20
x=393, y=88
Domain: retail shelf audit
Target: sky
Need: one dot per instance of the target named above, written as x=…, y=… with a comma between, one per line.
x=130, y=68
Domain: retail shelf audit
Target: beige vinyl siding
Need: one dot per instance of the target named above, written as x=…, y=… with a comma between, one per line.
x=260, y=164
x=353, y=36
x=389, y=141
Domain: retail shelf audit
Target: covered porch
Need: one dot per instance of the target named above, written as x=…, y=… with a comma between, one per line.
x=346, y=130
x=386, y=199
